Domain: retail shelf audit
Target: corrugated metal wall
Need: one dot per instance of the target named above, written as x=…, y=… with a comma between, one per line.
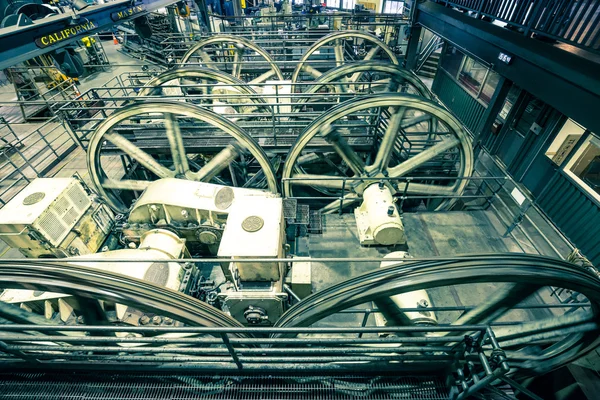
x=457, y=99
x=575, y=213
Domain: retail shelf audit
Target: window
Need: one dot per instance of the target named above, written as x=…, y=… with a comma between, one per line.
x=472, y=75
x=565, y=141
x=348, y=4
x=333, y=4
x=584, y=167
x=489, y=87
x=451, y=60
x=393, y=7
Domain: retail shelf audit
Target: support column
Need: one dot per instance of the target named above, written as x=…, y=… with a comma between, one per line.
x=412, y=55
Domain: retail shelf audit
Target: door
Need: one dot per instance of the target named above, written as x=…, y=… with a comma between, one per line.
x=524, y=134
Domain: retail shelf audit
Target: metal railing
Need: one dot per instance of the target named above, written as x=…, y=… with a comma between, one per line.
x=262, y=349
x=567, y=21
x=518, y=213
x=282, y=36
x=31, y=155
x=477, y=189
x=274, y=119
x=434, y=44
x=329, y=20
x=34, y=104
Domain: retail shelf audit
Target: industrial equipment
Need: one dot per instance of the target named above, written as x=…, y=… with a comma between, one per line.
x=213, y=153
x=55, y=218
x=420, y=149
x=392, y=307
x=173, y=218
x=347, y=46
x=257, y=218
x=233, y=54
x=377, y=218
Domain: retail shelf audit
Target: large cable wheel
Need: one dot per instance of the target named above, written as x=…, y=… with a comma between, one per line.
x=172, y=140
x=533, y=345
x=234, y=54
x=377, y=137
x=214, y=87
x=364, y=77
x=89, y=285
x=347, y=46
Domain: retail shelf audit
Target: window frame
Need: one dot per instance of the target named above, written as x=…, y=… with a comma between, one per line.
x=393, y=1
x=455, y=77
x=581, y=147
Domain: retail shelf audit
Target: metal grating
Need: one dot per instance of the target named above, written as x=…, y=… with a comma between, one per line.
x=112, y=386
x=315, y=222
x=290, y=208
x=302, y=214
x=78, y=197
x=52, y=227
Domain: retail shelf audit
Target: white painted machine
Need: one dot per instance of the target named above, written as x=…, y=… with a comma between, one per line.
x=55, y=217
x=172, y=219
x=377, y=219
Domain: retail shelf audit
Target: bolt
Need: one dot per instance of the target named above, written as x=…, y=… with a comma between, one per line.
x=156, y=320
x=144, y=320
x=381, y=185
x=422, y=303
x=168, y=321
x=80, y=319
x=390, y=211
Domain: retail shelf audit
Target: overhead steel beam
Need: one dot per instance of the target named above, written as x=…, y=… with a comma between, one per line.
x=567, y=80
x=18, y=44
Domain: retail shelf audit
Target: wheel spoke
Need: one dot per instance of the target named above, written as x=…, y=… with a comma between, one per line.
x=308, y=158
x=180, y=160
x=338, y=50
x=342, y=147
x=259, y=176
x=263, y=77
x=549, y=327
x=423, y=188
x=141, y=156
x=389, y=139
x=237, y=61
x=498, y=304
x=217, y=164
x=334, y=206
x=313, y=180
x=409, y=123
x=311, y=71
x=370, y=55
x=392, y=85
x=126, y=184
x=207, y=60
x=17, y=315
x=423, y=157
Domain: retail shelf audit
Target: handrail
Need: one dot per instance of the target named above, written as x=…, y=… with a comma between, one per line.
x=566, y=21
x=434, y=43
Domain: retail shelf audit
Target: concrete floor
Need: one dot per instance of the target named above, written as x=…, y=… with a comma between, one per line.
x=429, y=234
